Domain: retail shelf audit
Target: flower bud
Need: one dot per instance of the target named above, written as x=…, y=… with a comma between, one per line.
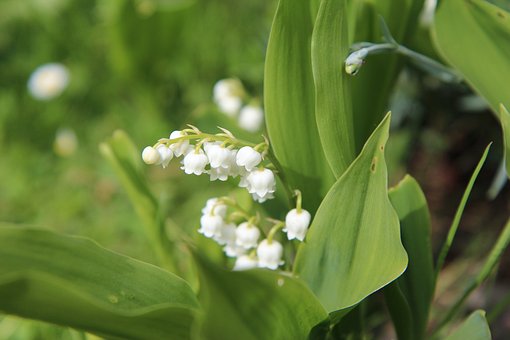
x=296, y=224
x=211, y=225
x=270, y=254
x=355, y=60
x=150, y=155
x=48, y=81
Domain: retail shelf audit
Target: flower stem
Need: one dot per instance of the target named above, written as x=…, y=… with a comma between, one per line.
x=274, y=230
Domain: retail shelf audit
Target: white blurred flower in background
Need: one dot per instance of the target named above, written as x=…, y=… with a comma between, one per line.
x=228, y=96
x=251, y=118
x=65, y=143
x=48, y=81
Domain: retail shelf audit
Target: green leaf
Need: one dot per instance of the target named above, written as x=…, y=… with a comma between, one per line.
x=473, y=37
x=417, y=283
x=353, y=247
x=475, y=327
x=74, y=282
x=333, y=110
x=257, y=304
x=458, y=214
x=290, y=102
x=504, y=118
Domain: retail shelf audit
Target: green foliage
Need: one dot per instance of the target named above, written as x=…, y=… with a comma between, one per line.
x=472, y=36
x=417, y=283
x=73, y=281
x=333, y=110
x=475, y=327
x=256, y=304
x=290, y=102
x=504, y=117
x=353, y=247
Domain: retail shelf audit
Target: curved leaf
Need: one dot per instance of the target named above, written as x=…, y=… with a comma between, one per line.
x=353, y=247
x=473, y=37
x=72, y=281
x=475, y=327
x=289, y=102
x=417, y=283
x=504, y=117
x=333, y=111
x=257, y=304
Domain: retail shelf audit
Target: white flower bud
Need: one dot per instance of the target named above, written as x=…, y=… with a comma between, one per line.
x=247, y=235
x=218, y=155
x=212, y=207
x=296, y=224
x=248, y=158
x=165, y=155
x=261, y=182
x=48, y=81
x=245, y=262
x=270, y=254
x=355, y=60
x=66, y=142
x=211, y=225
x=179, y=148
x=229, y=87
x=251, y=118
x=150, y=155
x=194, y=162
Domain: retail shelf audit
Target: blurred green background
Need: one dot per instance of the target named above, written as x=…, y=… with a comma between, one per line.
x=148, y=67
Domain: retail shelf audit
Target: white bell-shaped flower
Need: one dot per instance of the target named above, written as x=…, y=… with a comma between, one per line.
x=179, y=148
x=48, y=81
x=219, y=156
x=251, y=118
x=245, y=262
x=262, y=199
x=248, y=158
x=229, y=87
x=270, y=254
x=165, y=155
x=195, y=162
x=211, y=225
x=218, y=173
x=230, y=105
x=213, y=207
x=247, y=235
x=227, y=234
x=150, y=155
x=233, y=250
x=296, y=224
x=261, y=182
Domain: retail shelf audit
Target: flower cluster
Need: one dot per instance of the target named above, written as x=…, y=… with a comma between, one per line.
x=219, y=157
x=228, y=94
x=241, y=241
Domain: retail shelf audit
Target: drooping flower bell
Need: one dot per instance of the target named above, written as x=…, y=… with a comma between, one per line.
x=181, y=147
x=214, y=207
x=261, y=184
x=251, y=118
x=248, y=158
x=150, y=155
x=270, y=254
x=195, y=162
x=211, y=225
x=247, y=235
x=165, y=155
x=297, y=223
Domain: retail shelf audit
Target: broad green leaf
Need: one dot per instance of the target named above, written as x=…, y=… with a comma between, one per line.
x=458, y=214
x=372, y=87
x=504, y=117
x=290, y=102
x=353, y=247
x=333, y=111
x=125, y=159
x=74, y=282
x=257, y=304
x=417, y=282
x=475, y=327
x=473, y=37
